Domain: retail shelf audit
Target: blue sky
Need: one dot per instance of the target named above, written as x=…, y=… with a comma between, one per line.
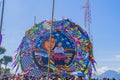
x=19, y=17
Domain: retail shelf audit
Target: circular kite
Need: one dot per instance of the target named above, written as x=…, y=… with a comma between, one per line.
x=70, y=44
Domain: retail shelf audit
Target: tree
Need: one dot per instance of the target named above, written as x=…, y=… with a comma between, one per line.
x=6, y=60
x=7, y=70
x=2, y=50
x=1, y=61
x=1, y=70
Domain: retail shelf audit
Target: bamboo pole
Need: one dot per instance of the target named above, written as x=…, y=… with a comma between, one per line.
x=53, y=3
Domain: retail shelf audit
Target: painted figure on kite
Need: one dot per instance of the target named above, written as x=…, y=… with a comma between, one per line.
x=59, y=57
x=71, y=49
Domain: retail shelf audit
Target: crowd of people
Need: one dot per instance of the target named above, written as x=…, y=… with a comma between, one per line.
x=104, y=79
x=32, y=77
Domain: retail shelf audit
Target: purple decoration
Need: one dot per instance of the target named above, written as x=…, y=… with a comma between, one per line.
x=0, y=39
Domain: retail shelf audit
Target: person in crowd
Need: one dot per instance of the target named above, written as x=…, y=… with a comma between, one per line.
x=79, y=78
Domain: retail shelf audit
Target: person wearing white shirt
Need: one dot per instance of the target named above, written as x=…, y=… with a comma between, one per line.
x=58, y=56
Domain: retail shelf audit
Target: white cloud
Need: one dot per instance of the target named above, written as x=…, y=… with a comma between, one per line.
x=117, y=56
x=118, y=70
x=3, y=66
x=105, y=68
x=102, y=70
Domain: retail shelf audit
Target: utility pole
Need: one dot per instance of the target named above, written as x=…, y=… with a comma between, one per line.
x=2, y=14
x=1, y=20
x=87, y=16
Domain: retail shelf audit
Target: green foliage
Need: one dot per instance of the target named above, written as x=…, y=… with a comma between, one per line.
x=4, y=60
x=1, y=61
x=2, y=70
x=7, y=59
x=2, y=50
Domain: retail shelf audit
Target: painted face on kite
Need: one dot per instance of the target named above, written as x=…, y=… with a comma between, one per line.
x=71, y=49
